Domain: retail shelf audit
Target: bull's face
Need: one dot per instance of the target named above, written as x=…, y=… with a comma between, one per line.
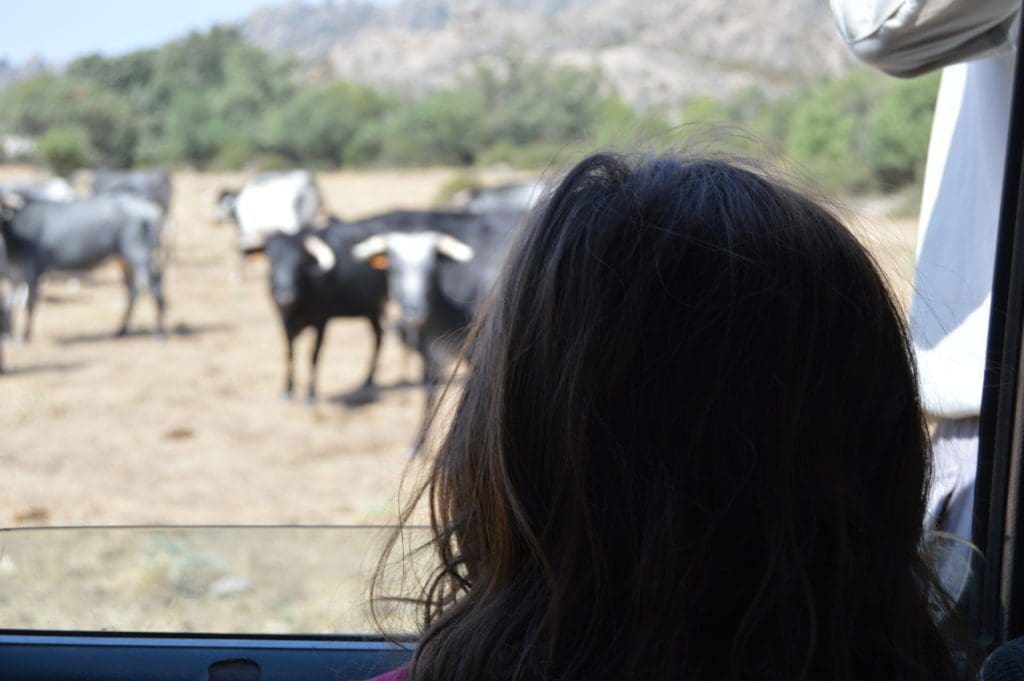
x=294, y=263
x=411, y=262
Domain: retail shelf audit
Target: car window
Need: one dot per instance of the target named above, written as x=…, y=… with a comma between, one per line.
x=185, y=580
x=174, y=392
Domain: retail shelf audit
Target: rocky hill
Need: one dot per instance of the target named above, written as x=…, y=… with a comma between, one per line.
x=652, y=51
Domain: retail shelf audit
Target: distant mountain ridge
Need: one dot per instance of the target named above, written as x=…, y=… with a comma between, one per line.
x=652, y=51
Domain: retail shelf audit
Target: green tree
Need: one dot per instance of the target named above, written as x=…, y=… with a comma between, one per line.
x=704, y=109
x=898, y=130
x=532, y=102
x=192, y=133
x=827, y=135
x=320, y=125
x=35, y=105
x=64, y=150
x=110, y=125
x=445, y=127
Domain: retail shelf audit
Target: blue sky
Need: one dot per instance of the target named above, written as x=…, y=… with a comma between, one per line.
x=60, y=30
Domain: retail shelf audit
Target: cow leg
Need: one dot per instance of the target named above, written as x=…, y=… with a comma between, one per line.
x=314, y=361
x=129, y=282
x=156, y=288
x=243, y=269
x=430, y=374
x=5, y=319
x=378, y=334
x=31, y=293
x=289, y=361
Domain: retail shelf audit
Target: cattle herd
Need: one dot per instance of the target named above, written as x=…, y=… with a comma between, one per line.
x=436, y=266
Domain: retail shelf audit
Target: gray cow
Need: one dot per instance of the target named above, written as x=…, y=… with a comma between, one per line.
x=153, y=185
x=41, y=236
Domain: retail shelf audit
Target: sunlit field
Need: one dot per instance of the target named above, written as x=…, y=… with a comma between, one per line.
x=191, y=429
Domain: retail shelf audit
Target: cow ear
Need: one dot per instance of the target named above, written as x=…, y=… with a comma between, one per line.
x=451, y=247
x=317, y=248
x=379, y=261
x=368, y=248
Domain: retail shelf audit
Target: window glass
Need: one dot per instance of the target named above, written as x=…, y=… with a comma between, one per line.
x=243, y=580
x=198, y=409
x=190, y=427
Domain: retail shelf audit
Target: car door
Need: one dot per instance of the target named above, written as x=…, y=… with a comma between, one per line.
x=186, y=603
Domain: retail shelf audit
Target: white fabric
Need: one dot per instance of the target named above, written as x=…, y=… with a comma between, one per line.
x=949, y=312
x=951, y=493
x=910, y=37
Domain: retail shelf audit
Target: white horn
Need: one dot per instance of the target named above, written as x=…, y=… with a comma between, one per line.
x=316, y=247
x=367, y=248
x=454, y=249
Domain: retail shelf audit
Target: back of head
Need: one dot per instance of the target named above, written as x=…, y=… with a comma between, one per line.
x=689, y=446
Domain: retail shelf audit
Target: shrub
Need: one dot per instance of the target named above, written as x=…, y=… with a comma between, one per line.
x=234, y=152
x=64, y=150
x=320, y=125
x=443, y=128
x=827, y=133
x=898, y=131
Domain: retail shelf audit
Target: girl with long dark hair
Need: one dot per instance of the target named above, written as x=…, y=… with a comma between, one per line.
x=689, y=446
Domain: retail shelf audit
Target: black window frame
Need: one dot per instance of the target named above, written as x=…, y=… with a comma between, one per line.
x=996, y=616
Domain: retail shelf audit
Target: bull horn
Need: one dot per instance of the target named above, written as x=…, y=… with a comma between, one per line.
x=367, y=248
x=316, y=247
x=454, y=249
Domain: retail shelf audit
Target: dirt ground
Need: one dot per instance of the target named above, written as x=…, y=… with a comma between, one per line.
x=191, y=430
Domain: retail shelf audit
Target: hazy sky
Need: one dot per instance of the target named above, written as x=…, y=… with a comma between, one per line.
x=59, y=30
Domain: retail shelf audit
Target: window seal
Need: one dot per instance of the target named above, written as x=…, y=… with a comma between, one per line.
x=994, y=618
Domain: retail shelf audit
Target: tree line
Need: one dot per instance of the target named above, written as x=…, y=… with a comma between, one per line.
x=210, y=100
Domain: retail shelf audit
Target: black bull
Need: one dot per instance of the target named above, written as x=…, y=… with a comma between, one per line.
x=314, y=277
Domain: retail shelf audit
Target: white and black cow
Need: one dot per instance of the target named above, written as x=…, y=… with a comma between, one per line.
x=441, y=266
x=283, y=202
x=41, y=237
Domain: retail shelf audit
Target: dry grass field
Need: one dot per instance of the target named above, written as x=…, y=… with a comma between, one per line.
x=99, y=430
x=96, y=430
x=192, y=429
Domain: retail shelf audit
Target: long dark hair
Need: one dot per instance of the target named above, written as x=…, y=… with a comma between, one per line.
x=689, y=446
